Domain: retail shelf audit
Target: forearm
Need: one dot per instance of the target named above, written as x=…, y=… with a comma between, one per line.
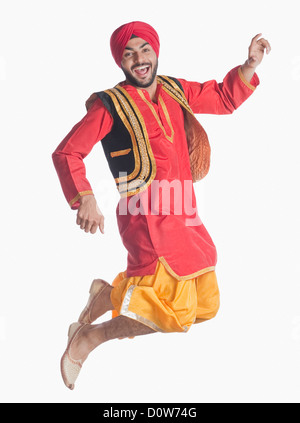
x=68, y=156
x=248, y=71
x=71, y=172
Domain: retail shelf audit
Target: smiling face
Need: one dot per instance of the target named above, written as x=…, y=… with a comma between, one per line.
x=139, y=63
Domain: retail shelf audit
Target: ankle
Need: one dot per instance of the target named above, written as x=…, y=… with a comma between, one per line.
x=96, y=335
x=107, y=293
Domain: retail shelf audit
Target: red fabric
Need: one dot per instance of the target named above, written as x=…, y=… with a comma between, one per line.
x=68, y=156
x=186, y=248
x=122, y=35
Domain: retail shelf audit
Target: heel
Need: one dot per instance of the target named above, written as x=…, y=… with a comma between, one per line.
x=95, y=286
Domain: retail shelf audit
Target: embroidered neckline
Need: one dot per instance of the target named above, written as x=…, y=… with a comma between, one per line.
x=166, y=113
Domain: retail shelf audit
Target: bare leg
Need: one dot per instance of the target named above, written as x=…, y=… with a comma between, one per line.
x=91, y=336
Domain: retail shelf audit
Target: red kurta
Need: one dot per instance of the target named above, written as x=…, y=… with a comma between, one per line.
x=157, y=227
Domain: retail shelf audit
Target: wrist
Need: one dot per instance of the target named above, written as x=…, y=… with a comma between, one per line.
x=86, y=198
x=76, y=201
x=246, y=73
x=249, y=66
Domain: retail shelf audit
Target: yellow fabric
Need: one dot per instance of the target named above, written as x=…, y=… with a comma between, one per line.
x=164, y=303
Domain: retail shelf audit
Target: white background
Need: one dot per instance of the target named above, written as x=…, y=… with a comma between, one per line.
x=53, y=55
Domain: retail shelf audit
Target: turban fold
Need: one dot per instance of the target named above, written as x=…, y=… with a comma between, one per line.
x=122, y=35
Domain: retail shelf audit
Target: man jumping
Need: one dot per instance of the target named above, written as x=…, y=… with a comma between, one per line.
x=156, y=149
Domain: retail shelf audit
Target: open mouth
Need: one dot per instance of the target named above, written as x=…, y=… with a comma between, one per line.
x=142, y=71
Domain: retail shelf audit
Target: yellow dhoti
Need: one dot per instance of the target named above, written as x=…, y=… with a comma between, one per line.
x=163, y=302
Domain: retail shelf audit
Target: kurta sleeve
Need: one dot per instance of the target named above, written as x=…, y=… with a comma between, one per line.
x=68, y=156
x=221, y=98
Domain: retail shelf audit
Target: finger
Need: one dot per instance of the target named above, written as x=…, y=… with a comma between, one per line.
x=78, y=219
x=88, y=226
x=262, y=42
x=83, y=223
x=265, y=44
x=101, y=225
x=256, y=37
x=94, y=228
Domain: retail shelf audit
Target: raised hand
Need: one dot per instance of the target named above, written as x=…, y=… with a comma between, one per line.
x=256, y=50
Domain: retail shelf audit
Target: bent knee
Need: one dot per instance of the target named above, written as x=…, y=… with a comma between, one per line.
x=208, y=311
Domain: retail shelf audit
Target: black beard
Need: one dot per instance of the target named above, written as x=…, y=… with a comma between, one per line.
x=131, y=79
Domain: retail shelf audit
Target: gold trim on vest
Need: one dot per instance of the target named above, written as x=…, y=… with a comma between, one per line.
x=145, y=166
x=120, y=152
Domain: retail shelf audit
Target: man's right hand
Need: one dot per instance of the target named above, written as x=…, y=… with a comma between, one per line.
x=89, y=216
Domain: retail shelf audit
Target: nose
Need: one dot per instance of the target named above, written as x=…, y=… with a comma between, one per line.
x=139, y=57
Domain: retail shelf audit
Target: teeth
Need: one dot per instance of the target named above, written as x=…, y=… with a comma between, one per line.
x=141, y=68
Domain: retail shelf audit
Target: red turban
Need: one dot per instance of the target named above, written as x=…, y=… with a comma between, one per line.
x=122, y=35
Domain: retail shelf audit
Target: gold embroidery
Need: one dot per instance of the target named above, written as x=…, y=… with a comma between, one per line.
x=169, y=138
x=165, y=110
x=175, y=92
x=120, y=152
x=80, y=194
x=172, y=83
x=184, y=278
x=241, y=75
x=136, y=119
